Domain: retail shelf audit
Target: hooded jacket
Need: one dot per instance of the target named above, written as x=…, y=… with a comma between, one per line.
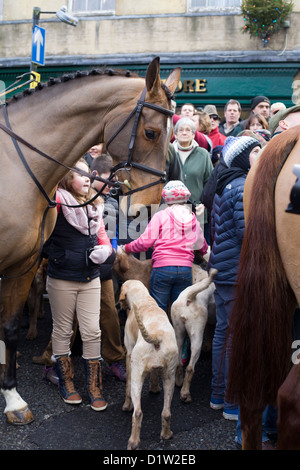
x=174, y=233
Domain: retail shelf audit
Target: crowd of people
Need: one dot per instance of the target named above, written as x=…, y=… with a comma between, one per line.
x=202, y=209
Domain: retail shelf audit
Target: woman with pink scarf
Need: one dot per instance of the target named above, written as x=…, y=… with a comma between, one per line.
x=76, y=248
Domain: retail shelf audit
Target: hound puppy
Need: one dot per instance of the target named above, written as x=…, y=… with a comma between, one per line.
x=126, y=266
x=151, y=349
x=190, y=313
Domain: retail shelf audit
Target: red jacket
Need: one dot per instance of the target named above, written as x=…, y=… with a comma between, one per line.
x=216, y=137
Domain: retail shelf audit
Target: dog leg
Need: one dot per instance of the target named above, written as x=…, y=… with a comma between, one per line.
x=195, y=330
x=180, y=332
x=137, y=416
x=128, y=403
x=168, y=385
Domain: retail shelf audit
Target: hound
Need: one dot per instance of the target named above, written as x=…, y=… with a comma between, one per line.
x=151, y=349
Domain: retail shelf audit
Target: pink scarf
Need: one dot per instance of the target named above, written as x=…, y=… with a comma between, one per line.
x=78, y=216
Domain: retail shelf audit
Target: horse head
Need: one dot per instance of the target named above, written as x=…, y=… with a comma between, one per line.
x=146, y=132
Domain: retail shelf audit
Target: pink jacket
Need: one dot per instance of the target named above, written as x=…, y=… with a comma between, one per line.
x=174, y=233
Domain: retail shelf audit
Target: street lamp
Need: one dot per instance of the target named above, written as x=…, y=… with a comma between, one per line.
x=61, y=14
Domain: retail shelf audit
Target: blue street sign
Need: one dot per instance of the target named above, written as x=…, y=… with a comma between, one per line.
x=38, y=45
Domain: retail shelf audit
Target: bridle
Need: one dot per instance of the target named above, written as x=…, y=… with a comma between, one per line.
x=123, y=165
x=129, y=163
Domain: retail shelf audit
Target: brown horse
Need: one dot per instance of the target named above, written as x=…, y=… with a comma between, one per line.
x=268, y=286
x=63, y=121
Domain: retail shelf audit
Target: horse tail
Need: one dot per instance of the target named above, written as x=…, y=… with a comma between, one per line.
x=261, y=322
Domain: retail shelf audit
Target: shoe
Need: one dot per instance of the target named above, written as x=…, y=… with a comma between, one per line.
x=65, y=372
x=50, y=375
x=216, y=403
x=117, y=369
x=232, y=415
x=93, y=382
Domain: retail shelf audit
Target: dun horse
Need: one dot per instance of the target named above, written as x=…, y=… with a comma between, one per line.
x=268, y=286
x=63, y=121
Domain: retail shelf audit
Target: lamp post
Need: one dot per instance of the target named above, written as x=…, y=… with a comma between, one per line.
x=61, y=14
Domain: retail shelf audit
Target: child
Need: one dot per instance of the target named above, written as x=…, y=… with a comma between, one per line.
x=174, y=233
x=112, y=349
x=76, y=248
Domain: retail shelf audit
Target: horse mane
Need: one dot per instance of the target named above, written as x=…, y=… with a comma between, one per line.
x=80, y=74
x=261, y=322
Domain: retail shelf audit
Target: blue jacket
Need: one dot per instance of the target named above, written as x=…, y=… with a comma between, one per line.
x=227, y=226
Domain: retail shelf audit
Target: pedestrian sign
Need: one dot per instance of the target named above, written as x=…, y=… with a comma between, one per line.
x=38, y=45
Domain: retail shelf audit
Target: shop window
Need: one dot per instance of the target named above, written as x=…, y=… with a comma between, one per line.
x=89, y=7
x=213, y=5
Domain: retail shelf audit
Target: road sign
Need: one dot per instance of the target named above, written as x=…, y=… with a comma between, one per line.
x=38, y=45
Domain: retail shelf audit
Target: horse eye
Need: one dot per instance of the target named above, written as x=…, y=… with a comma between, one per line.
x=150, y=134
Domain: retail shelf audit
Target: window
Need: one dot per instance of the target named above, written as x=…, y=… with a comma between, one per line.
x=92, y=6
x=200, y=5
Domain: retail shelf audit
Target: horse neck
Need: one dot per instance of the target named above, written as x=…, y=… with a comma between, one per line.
x=65, y=120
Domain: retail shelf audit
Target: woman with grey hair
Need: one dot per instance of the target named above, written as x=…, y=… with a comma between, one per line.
x=195, y=162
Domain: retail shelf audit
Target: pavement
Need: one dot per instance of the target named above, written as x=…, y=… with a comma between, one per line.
x=58, y=426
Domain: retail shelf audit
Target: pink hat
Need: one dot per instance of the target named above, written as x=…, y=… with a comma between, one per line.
x=175, y=192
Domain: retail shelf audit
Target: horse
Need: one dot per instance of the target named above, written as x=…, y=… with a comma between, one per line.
x=268, y=287
x=43, y=134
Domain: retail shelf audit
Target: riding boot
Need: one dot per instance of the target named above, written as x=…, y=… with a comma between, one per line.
x=65, y=372
x=93, y=381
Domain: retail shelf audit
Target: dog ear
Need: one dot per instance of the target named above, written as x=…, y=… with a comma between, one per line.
x=122, y=299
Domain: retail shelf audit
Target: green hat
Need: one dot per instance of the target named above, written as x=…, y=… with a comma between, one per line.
x=282, y=114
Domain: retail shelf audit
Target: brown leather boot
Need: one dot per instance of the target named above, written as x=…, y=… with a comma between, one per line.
x=65, y=372
x=93, y=380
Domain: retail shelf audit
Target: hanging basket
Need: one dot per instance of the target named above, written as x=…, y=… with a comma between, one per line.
x=264, y=18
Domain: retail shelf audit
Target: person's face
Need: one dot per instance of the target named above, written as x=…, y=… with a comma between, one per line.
x=254, y=154
x=187, y=110
x=232, y=114
x=263, y=109
x=185, y=136
x=214, y=119
x=81, y=183
x=255, y=124
x=99, y=184
x=96, y=150
x=292, y=119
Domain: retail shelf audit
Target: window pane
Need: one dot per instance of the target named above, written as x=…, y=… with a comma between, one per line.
x=94, y=5
x=215, y=3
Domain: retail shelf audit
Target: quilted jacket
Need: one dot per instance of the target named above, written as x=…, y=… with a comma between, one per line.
x=227, y=226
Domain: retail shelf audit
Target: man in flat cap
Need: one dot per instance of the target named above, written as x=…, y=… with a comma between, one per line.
x=284, y=119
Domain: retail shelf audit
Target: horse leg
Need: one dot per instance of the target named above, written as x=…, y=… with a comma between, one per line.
x=288, y=401
x=14, y=293
x=251, y=425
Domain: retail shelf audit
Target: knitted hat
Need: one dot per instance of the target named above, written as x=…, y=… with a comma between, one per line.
x=236, y=151
x=280, y=116
x=175, y=192
x=259, y=99
x=211, y=109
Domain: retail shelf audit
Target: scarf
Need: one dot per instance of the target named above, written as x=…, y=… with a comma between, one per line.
x=85, y=219
x=228, y=175
x=184, y=152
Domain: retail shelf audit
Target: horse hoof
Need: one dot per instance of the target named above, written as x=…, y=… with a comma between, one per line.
x=19, y=417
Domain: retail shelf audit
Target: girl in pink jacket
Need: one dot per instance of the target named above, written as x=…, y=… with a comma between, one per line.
x=174, y=233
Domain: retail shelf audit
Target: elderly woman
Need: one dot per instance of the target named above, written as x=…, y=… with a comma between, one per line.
x=195, y=162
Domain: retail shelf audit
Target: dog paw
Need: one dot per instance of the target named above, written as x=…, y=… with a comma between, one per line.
x=185, y=397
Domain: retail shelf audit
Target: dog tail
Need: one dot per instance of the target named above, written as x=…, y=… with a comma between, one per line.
x=147, y=337
x=200, y=286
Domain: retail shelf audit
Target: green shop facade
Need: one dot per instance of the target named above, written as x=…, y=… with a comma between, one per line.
x=201, y=83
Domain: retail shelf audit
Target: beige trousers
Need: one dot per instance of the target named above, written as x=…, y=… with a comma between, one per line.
x=66, y=298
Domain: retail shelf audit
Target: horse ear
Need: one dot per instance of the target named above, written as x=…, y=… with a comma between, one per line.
x=152, y=76
x=173, y=79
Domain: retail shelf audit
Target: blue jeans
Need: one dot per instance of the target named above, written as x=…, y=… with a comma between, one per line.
x=269, y=420
x=167, y=282
x=224, y=298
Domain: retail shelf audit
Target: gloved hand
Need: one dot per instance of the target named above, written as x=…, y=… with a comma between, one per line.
x=100, y=253
x=200, y=209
